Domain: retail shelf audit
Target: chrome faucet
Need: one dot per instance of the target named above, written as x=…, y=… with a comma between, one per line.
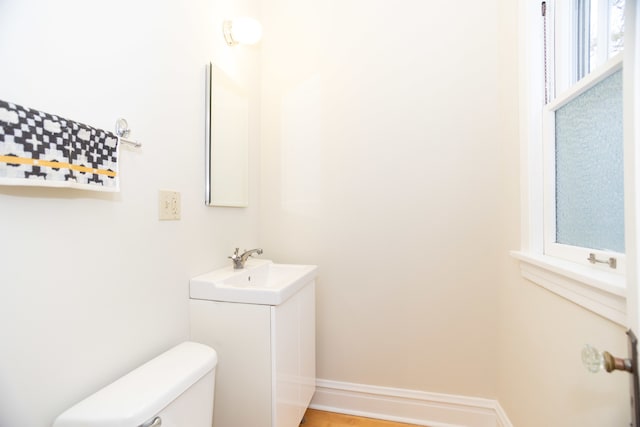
x=240, y=259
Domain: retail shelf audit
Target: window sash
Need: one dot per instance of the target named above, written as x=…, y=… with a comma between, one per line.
x=572, y=42
x=575, y=254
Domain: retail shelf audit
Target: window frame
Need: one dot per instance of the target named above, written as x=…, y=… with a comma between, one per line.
x=597, y=290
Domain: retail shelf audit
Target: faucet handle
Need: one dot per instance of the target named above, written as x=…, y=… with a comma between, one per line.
x=235, y=254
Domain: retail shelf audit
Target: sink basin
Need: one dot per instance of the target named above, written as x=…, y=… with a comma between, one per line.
x=260, y=282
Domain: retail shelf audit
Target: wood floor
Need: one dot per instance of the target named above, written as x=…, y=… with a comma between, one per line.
x=315, y=418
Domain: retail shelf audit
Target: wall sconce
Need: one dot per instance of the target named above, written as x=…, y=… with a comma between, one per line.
x=243, y=30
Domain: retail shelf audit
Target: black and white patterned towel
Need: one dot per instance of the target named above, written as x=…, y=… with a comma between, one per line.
x=41, y=149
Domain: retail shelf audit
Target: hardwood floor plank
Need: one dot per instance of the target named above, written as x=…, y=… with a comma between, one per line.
x=315, y=418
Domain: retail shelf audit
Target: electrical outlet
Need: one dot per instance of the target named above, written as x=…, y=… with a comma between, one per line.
x=168, y=205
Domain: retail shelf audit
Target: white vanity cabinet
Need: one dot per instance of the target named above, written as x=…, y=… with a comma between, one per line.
x=266, y=358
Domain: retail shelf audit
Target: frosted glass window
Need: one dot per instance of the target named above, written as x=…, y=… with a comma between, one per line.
x=589, y=171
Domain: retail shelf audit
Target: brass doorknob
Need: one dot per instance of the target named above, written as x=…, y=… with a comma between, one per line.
x=616, y=363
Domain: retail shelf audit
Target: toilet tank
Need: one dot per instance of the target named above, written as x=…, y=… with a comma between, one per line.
x=173, y=390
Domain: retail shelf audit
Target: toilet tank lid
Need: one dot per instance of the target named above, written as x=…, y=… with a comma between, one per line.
x=143, y=392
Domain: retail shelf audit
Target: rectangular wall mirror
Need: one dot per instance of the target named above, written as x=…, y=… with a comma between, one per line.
x=227, y=141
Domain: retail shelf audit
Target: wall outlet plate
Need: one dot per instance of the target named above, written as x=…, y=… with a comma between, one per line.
x=168, y=205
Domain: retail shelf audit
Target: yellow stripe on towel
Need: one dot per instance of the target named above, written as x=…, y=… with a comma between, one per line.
x=55, y=165
x=18, y=160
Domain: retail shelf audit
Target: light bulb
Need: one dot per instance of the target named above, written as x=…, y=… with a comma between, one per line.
x=243, y=30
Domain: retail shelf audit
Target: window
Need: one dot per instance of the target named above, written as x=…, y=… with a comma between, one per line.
x=583, y=172
x=606, y=30
x=589, y=200
x=580, y=36
x=574, y=235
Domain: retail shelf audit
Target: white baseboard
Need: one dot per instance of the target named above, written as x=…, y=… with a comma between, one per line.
x=408, y=406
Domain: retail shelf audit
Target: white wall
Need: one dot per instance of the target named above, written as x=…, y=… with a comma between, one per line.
x=92, y=285
x=381, y=163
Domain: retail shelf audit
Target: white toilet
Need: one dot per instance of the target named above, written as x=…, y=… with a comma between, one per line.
x=173, y=390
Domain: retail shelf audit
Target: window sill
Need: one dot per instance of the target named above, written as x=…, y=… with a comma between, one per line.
x=601, y=292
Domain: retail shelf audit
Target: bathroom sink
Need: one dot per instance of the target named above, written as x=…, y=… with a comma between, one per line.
x=259, y=282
